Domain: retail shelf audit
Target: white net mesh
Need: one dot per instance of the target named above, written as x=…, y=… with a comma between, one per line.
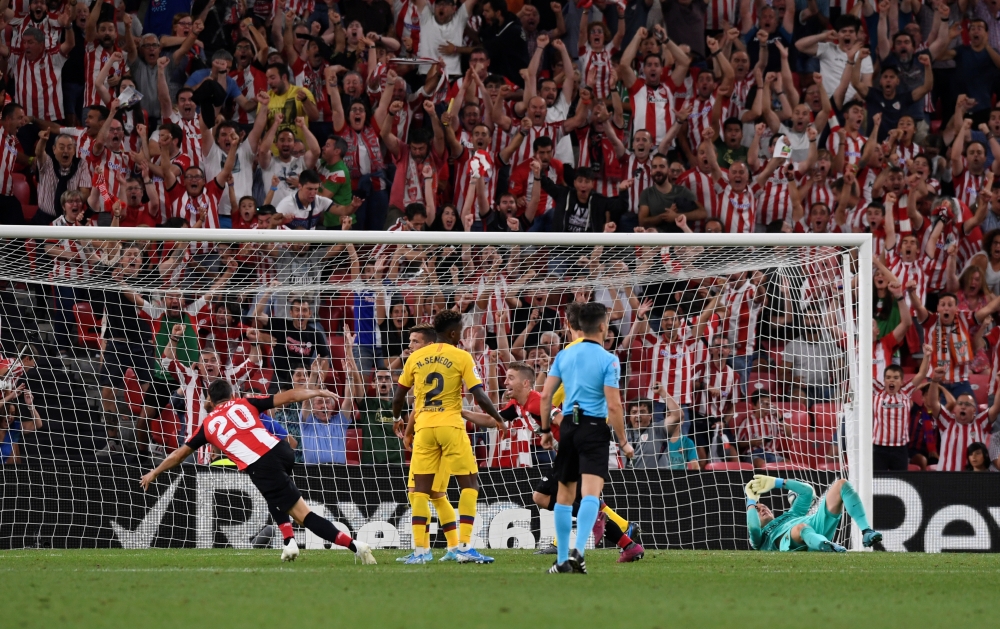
x=734, y=356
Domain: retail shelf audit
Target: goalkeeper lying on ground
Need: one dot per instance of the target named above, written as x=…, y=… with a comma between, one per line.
x=795, y=529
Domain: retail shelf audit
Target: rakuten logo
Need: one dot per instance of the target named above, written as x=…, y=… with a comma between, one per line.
x=919, y=519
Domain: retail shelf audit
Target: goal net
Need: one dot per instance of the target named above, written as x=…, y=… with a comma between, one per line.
x=737, y=353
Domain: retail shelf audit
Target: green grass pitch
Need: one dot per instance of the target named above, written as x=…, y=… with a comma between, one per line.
x=676, y=589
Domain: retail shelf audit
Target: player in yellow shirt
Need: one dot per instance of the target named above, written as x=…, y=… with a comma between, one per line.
x=436, y=374
x=610, y=525
x=422, y=335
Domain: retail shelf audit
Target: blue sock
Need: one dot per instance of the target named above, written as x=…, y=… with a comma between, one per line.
x=564, y=526
x=586, y=516
x=855, y=509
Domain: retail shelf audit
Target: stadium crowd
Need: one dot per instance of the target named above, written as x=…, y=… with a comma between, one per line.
x=731, y=116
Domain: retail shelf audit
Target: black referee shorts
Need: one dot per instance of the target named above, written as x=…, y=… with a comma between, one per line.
x=270, y=475
x=583, y=449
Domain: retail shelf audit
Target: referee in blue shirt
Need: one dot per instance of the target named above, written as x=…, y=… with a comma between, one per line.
x=589, y=375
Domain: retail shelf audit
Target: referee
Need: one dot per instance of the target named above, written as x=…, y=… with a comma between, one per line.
x=589, y=375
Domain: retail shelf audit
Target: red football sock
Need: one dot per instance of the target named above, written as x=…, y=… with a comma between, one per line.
x=624, y=541
x=286, y=530
x=343, y=539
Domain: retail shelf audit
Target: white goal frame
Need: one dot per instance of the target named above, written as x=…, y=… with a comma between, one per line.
x=859, y=452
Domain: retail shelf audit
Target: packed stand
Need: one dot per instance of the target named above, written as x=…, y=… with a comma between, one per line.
x=732, y=116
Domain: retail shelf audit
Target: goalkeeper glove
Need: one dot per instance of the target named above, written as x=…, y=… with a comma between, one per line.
x=763, y=484
x=751, y=493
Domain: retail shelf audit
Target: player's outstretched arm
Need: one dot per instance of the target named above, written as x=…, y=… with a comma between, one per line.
x=300, y=395
x=480, y=419
x=172, y=461
x=804, y=492
x=485, y=403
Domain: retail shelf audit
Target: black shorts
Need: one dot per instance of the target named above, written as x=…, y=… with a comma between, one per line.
x=583, y=449
x=269, y=475
x=119, y=356
x=548, y=484
x=701, y=430
x=158, y=394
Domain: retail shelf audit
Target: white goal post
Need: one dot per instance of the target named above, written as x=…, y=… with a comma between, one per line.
x=805, y=290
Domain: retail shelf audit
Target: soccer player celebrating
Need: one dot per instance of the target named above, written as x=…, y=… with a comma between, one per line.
x=589, y=375
x=796, y=529
x=234, y=427
x=436, y=372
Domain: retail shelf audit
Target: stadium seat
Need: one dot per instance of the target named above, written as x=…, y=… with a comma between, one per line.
x=761, y=380
x=88, y=332
x=797, y=420
x=28, y=211
x=354, y=442
x=791, y=406
x=133, y=392
x=632, y=392
x=980, y=386
x=826, y=414
x=163, y=429
x=913, y=468
x=800, y=450
x=728, y=466
x=784, y=466
x=21, y=189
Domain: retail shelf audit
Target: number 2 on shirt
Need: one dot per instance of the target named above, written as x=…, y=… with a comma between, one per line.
x=437, y=382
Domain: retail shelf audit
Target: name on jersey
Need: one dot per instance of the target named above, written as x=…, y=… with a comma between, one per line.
x=435, y=360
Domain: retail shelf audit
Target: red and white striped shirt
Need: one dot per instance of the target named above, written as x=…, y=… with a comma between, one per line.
x=601, y=61
x=740, y=325
x=967, y=186
x=652, y=109
x=710, y=376
x=906, y=153
x=968, y=246
x=906, y=271
x=304, y=8
x=852, y=153
x=39, y=85
x=181, y=204
x=701, y=186
x=304, y=75
x=250, y=81
x=956, y=437
x=952, y=344
x=524, y=152
x=775, y=201
x=8, y=156
x=235, y=428
x=720, y=15
x=106, y=166
x=819, y=192
x=49, y=26
x=668, y=363
x=78, y=265
x=522, y=180
x=463, y=181
x=700, y=120
x=193, y=386
x=882, y=351
x=738, y=99
x=892, y=415
x=515, y=449
x=642, y=173
x=736, y=210
x=753, y=428
x=94, y=57
x=191, y=145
